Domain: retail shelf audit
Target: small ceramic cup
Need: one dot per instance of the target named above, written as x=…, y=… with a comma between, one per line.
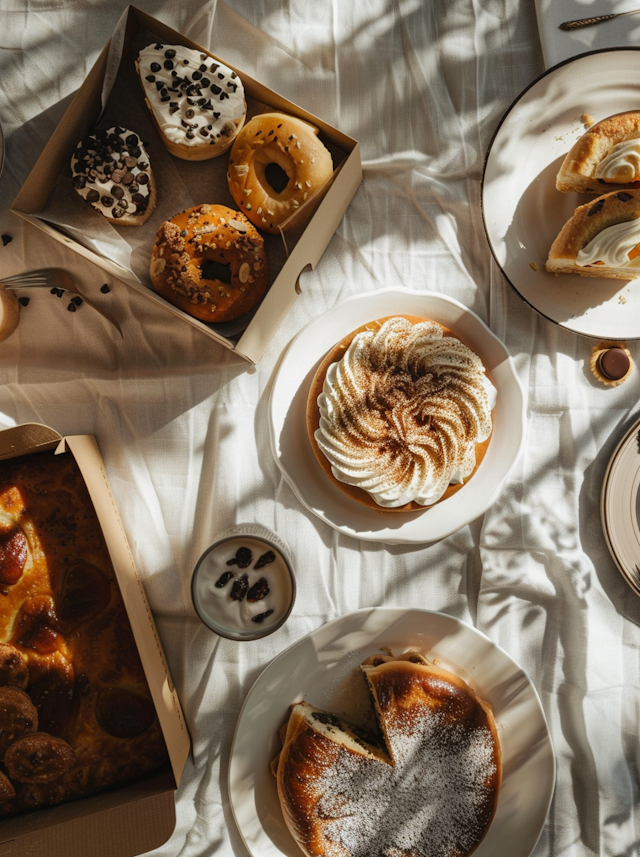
x=243, y=586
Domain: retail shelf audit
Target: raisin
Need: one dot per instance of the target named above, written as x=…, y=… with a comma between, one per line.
x=224, y=578
x=242, y=558
x=265, y=559
x=239, y=588
x=261, y=616
x=258, y=591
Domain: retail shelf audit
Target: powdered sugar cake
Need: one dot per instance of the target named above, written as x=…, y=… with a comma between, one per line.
x=426, y=787
x=400, y=418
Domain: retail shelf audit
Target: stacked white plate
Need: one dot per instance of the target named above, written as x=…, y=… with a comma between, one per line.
x=620, y=507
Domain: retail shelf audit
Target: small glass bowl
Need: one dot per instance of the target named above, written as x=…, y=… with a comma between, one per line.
x=230, y=618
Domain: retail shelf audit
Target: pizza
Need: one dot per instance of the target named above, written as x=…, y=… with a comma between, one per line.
x=76, y=714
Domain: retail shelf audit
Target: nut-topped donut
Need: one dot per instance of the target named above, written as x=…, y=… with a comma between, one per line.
x=210, y=262
x=277, y=163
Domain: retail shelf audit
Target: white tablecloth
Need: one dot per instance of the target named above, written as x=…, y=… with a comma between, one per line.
x=181, y=422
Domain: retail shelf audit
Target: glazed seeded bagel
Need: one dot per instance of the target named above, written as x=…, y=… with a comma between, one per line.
x=268, y=144
x=210, y=262
x=578, y=170
x=314, y=417
x=589, y=221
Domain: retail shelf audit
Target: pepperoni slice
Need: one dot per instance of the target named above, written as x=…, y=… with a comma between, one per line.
x=86, y=591
x=34, y=628
x=14, y=670
x=13, y=556
x=18, y=715
x=39, y=758
x=124, y=714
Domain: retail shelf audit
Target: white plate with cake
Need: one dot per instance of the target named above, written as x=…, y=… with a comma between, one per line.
x=442, y=416
x=524, y=212
x=323, y=671
x=620, y=506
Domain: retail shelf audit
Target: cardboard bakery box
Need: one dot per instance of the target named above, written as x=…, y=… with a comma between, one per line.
x=112, y=95
x=138, y=817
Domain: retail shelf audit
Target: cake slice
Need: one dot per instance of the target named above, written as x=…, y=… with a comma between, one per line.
x=602, y=239
x=428, y=788
x=606, y=156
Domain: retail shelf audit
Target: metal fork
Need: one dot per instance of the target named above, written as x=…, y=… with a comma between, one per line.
x=54, y=278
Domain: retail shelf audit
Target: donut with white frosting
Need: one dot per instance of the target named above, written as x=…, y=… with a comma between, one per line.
x=196, y=102
x=112, y=172
x=399, y=414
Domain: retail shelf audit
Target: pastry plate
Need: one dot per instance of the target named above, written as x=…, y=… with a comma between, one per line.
x=522, y=210
x=620, y=507
x=322, y=669
x=292, y=449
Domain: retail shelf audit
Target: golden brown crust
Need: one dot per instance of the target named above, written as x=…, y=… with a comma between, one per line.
x=65, y=616
x=210, y=234
x=577, y=171
x=291, y=144
x=407, y=694
x=588, y=220
x=313, y=422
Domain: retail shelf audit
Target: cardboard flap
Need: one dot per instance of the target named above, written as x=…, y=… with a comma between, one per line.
x=30, y=437
x=87, y=455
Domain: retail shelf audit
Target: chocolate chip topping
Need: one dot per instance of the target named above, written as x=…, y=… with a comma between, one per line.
x=614, y=363
x=596, y=207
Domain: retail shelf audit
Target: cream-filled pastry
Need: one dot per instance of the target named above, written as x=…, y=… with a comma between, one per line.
x=196, y=101
x=399, y=413
x=111, y=171
x=607, y=156
x=602, y=239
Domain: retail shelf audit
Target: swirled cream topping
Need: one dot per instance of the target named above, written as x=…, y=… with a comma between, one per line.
x=194, y=98
x=402, y=411
x=612, y=246
x=622, y=164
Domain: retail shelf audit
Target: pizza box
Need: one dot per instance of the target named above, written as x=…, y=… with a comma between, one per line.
x=140, y=816
x=111, y=85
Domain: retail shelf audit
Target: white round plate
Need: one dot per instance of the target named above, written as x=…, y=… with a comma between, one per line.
x=322, y=669
x=620, y=507
x=522, y=210
x=288, y=423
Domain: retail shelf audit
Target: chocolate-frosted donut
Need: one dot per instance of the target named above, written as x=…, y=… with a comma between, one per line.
x=210, y=262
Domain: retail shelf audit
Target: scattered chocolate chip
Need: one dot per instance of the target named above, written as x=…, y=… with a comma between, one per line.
x=596, y=207
x=107, y=201
x=23, y=301
x=150, y=78
x=117, y=191
x=258, y=591
x=261, y=616
x=71, y=307
x=170, y=54
x=190, y=113
x=77, y=300
x=224, y=578
x=265, y=559
x=92, y=196
x=105, y=289
x=239, y=588
x=155, y=66
x=623, y=196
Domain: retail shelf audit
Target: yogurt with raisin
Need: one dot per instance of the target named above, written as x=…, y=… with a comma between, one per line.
x=243, y=587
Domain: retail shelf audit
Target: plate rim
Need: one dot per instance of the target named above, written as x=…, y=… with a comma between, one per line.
x=360, y=297
x=397, y=610
x=503, y=118
x=604, y=493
